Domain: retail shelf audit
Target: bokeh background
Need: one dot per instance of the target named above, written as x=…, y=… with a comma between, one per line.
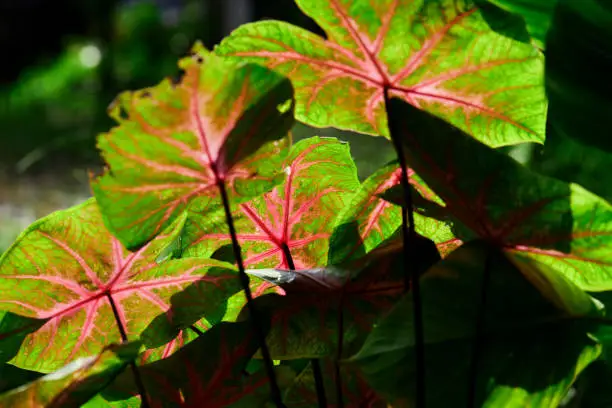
x=64, y=61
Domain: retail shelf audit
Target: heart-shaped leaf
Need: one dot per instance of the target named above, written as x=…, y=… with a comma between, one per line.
x=530, y=354
x=297, y=216
x=87, y=286
x=370, y=220
x=438, y=55
x=176, y=143
x=73, y=385
x=320, y=302
x=546, y=226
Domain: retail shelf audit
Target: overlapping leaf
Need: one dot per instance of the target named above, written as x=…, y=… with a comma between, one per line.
x=531, y=351
x=296, y=216
x=66, y=268
x=578, y=63
x=72, y=385
x=208, y=372
x=306, y=322
x=438, y=55
x=370, y=220
x=547, y=226
x=176, y=143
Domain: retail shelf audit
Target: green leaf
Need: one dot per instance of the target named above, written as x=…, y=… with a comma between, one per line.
x=175, y=143
x=74, y=266
x=536, y=13
x=531, y=351
x=74, y=384
x=438, y=55
x=306, y=320
x=369, y=220
x=297, y=214
x=546, y=226
x=207, y=372
x=578, y=59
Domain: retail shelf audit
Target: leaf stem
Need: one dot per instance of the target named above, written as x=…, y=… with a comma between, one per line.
x=479, y=338
x=244, y=280
x=196, y=330
x=411, y=278
x=339, y=394
x=314, y=363
x=135, y=372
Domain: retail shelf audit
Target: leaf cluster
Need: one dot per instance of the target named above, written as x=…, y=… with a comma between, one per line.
x=222, y=264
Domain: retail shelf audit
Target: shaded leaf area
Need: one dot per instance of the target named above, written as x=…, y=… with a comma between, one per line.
x=355, y=390
x=12, y=377
x=305, y=323
x=207, y=372
x=438, y=55
x=596, y=391
x=297, y=216
x=531, y=351
x=175, y=143
x=547, y=227
x=369, y=220
x=537, y=14
x=579, y=147
x=74, y=267
x=74, y=384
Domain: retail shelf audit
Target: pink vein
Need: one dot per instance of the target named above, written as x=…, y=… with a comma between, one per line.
x=428, y=47
x=88, y=271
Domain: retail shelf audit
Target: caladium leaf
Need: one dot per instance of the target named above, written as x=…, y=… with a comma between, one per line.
x=579, y=117
x=176, y=143
x=545, y=225
x=306, y=322
x=370, y=220
x=297, y=215
x=438, y=55
x=75, y=267
x=207, y=372
x=544, y=342
x=74, y=384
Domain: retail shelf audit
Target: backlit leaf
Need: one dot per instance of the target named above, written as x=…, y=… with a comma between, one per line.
x=370, y=220
x=74, y=267
x=546, y=226
x=297, y=214
x=175, y=143
x=438, y=55
x=74, y=384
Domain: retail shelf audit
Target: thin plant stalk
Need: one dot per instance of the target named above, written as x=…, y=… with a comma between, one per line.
x=314, y=363
x=144, y=398
x=338, y=374
x=411, y=278
x=244, y=280
x=479, y=336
